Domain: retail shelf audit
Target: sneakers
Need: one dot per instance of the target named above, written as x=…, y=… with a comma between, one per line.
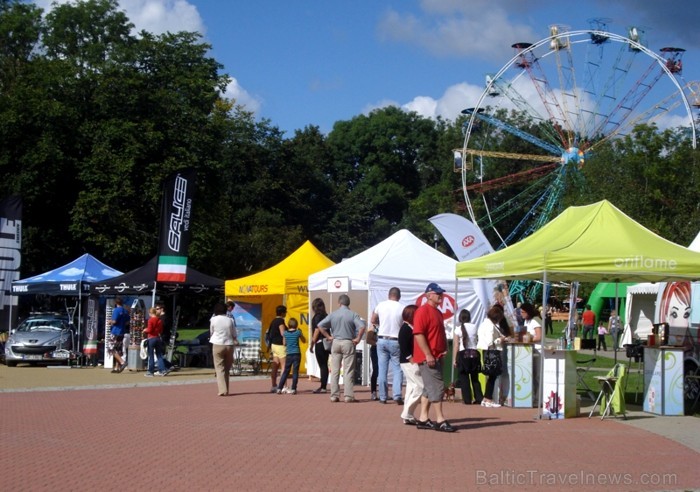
x=149, y=374
x=374, y=396
x=334, y=399
x=121, y=368
x=399, y=401
x=274, y=389
x=161, y=374
x=279, y=391
x=287, y=391
x=489, y=404
x=320, y=390
x=409, y=421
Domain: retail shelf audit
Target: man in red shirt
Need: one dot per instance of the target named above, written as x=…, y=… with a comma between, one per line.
x=429, y=349
x=588, y=321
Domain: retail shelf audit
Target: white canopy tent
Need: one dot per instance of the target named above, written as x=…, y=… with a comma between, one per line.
x=404, y=261
x=639, y=315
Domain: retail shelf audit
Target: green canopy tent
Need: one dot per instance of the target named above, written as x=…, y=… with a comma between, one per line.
x=591, y=243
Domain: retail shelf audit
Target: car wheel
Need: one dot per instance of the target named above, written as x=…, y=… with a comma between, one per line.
x=11, y=363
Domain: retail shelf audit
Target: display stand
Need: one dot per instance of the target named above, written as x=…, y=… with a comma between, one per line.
x=559, y=384
x=520, y=393
x=663, y=380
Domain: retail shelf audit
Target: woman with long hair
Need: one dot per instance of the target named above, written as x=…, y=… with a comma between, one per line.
x=318, y=342
x=467, y=360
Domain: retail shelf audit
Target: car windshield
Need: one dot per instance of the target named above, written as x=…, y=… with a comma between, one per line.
x=41, y=325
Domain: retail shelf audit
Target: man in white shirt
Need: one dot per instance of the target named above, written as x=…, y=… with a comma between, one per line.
x=387, y=315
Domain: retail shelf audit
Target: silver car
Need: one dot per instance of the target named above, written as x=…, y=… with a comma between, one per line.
x=44, y=337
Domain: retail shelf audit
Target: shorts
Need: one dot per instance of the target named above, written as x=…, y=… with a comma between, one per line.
x=279, y=351
x=115, y=344
x=433, y=384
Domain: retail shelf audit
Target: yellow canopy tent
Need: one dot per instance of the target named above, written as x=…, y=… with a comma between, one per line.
x=285, y=283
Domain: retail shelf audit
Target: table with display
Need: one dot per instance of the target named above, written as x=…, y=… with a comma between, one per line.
x=559, y=383
x=521, y=374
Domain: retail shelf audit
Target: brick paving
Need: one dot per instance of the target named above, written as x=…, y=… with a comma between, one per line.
x=148, y=434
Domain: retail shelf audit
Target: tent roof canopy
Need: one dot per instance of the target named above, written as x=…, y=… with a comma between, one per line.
x=285, y=277
x=66, y=280
x=143, y=279
x=400, y=256
x=590, y=243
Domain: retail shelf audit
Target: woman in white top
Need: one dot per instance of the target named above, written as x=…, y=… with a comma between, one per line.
x=467, y=360
x=222, y=336
x=490, y=337
x=533, y=324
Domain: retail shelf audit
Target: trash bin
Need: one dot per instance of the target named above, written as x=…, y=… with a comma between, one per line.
x=134, y=362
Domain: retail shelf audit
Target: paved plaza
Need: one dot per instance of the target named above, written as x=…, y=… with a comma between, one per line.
x=78, y=429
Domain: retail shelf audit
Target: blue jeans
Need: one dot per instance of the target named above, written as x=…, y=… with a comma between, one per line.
x=292, y=361
x=388, y=351
x=155, y=345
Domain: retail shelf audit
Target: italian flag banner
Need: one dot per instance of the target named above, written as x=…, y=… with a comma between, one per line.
x=172, y=269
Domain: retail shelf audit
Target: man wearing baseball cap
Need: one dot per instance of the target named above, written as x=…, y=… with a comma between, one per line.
x=429, y=349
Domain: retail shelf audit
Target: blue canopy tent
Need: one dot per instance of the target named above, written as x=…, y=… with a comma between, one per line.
x=71, y=279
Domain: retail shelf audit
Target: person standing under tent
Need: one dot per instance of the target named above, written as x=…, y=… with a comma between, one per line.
x=115, y=344
x=519, y=323
x=429, y=350
x=588, y=320
x=153, y=331
x=467, y=360
x=223, y=337
x=292, y=335
x=615, y=329
x=388, y=315
x=275, y=335
x=320, y=345
x=167, y=331
x=229, y=309
x=347, y=329
x=533, y=324
x=491, y=338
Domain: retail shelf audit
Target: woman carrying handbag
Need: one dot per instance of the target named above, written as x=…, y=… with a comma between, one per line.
x=491, y=341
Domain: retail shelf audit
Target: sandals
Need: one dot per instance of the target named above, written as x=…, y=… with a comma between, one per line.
x=428, y=424
x=445, y=427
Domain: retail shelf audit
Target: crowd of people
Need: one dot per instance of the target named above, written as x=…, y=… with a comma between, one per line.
x=410, y=347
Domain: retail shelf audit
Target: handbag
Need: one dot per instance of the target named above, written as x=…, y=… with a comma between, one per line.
x=371, y=338
x=492, y=364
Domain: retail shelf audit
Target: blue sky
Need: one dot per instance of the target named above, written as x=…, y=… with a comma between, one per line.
x=315, y=62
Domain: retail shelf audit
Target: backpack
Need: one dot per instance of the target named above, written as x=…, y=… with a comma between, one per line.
x=268, y=338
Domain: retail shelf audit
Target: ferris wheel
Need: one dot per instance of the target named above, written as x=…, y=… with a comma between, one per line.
x=548, y=110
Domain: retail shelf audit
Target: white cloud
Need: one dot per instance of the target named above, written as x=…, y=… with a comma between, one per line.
x=156, y=16
x=448, y=28
x=160, y=16
x=242, y=97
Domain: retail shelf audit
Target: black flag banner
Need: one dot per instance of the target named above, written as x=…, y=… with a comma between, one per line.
x=174, y=242
x=10, y=255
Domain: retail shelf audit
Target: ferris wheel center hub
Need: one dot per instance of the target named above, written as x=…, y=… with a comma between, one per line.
x=572, y=154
